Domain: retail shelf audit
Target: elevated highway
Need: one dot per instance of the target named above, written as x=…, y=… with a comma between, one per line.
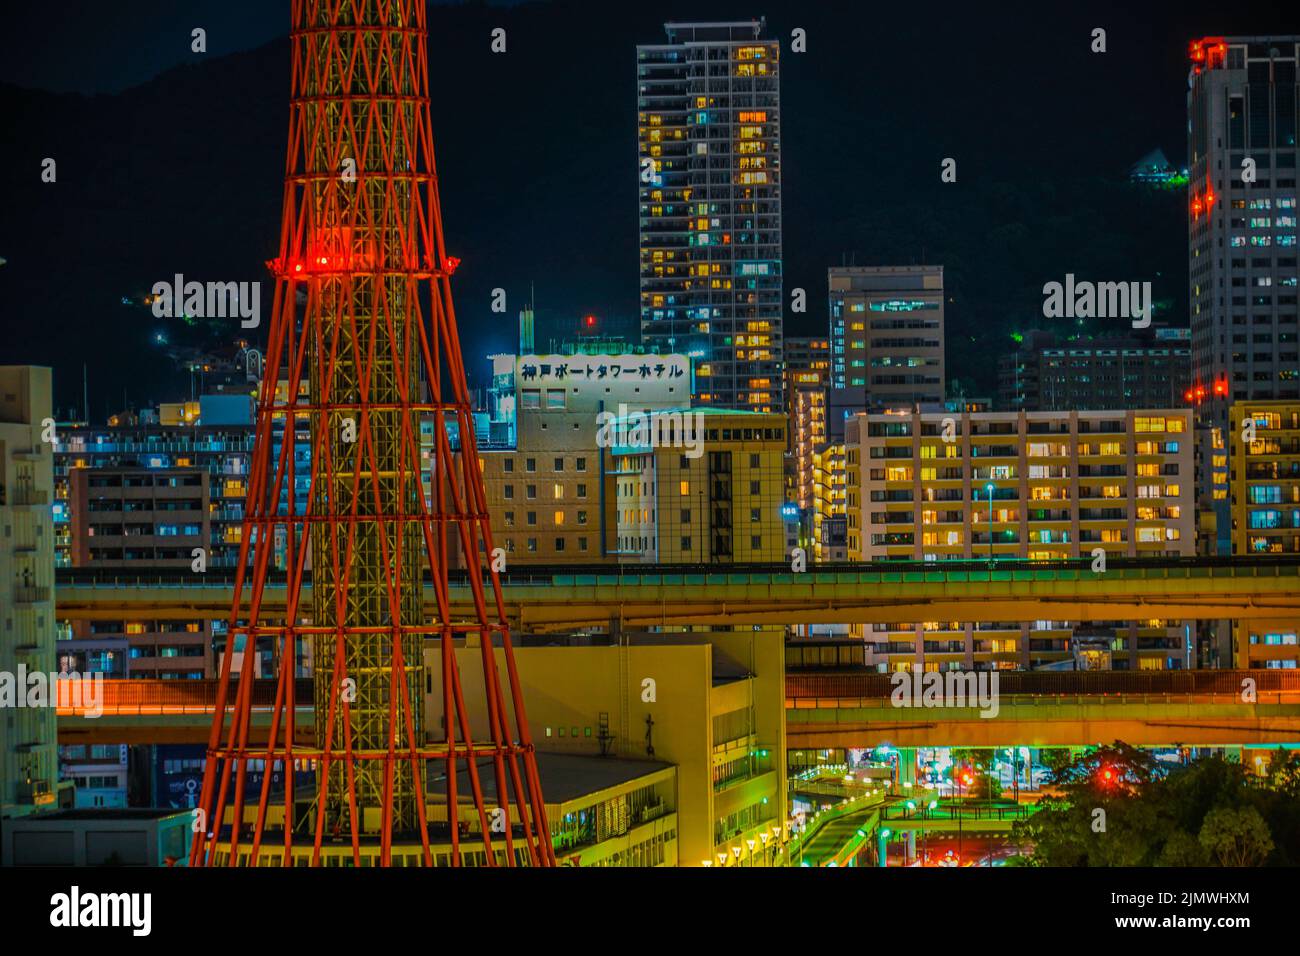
x=840, y=709
x=647, y=596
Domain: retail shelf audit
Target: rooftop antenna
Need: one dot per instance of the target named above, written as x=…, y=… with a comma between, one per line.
x=85, y=391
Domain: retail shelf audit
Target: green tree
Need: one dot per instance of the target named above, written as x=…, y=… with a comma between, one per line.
x=1120, y=807
x=1182, y=849
x=1055, y=758
x=982, y=762
x=1284, y=772
x=1236, y=837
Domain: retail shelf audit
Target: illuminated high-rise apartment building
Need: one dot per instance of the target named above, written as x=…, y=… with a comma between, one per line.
x=1242, y=252
x=807, y=377
x=1042, y=486
x=807, y=352
x=1241, y=107
x=709, y=151
x=886, y=332
x=1265, y=452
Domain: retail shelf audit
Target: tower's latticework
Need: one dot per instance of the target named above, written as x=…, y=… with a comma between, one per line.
x=363, y=316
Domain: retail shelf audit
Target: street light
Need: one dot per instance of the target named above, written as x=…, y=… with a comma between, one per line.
x=989, y=489
x=925, y=834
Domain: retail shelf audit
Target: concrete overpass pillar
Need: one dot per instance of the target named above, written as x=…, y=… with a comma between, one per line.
x=906, y=767
x=911, y=847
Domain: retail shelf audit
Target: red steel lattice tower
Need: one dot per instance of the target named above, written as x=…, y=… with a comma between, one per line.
x=362, y=350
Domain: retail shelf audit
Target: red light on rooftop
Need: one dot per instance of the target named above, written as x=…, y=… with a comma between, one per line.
x=1210, y=50
x=590, y=321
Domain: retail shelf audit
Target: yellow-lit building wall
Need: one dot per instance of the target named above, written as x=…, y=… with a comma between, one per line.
x=830, y=473
x=723, y=505
x=724, y=738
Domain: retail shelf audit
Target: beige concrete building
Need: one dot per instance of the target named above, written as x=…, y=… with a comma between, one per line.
x=1028, y=485
x=550, y=491
x=29, y=766
x=709, y=706
x=713, y=498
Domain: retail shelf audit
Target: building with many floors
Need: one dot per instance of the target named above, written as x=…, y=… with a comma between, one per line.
x=1146, y=369
x=28, y=736
x=887, y=332
x=545, y=451
x=700, y=487
x=160, y=488
x=934, y=486
x=1265, y=469
x=1242, y=231
x=1241, y=105
x=709, y=161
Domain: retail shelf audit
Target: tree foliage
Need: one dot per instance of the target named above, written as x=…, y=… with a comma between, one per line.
x=1122, y=807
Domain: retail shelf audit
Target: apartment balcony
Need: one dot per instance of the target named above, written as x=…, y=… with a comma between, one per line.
x=945, y=647
x=30, y=594
x=34, y=793
x=22, y=495
x=892, y=647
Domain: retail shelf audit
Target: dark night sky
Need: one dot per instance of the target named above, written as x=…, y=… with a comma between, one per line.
x=171, y=161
